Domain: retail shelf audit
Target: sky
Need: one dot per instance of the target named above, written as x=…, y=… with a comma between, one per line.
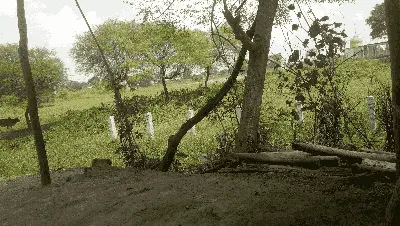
x=55, y=23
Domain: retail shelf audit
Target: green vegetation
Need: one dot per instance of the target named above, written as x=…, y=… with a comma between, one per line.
x=48, y=72
x=76, y=123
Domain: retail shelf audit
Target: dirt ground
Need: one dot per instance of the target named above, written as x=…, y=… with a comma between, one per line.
x=133, y=197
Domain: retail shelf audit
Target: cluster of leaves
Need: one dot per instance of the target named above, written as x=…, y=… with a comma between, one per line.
x=48, y=72
x=377, y=21
x=138, y=52
x=384, y=114
x=314, y=81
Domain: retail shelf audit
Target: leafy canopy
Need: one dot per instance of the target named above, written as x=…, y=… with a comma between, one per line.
x=377, y=22
x=136, y=50
x=48, y=72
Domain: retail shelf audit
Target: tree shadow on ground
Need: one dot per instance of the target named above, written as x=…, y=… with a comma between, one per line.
x=13, y=134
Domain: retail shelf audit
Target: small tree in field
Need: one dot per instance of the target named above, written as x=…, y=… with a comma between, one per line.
x=171, y=50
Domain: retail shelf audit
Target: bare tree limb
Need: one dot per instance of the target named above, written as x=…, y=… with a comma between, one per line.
x=240, y=34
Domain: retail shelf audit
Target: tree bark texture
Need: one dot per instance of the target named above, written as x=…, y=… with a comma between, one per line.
x=392, y=12
x=128, y=144
x=27, y=118
x=247, y=137
x=393, y=209
x=294, y=158
x=174, y=140
x=208, y=69
x=352, y=155
x=164, y=83
x=32, y=102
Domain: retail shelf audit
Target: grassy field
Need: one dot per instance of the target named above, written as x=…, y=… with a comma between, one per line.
x=76, y=132
x=76, y=128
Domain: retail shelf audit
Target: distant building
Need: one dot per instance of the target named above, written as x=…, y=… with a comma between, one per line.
x=370, y=51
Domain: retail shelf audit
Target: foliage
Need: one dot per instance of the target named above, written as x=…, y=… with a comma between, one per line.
x=355, y=42
x=377, y=21
x=113, y=39
x=315, y=82
x=274, y=61
x=384, y=114
x=181, y=12
x=48, y=72
x=169, y=48
x=135, y=51
x=74, y=85
x=73, y=139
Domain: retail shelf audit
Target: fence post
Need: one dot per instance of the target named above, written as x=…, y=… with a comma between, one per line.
x=238, y=113
x=113, y=129
x=300, y=113
x=190, y=115
x=371, y=111
x=150, y=127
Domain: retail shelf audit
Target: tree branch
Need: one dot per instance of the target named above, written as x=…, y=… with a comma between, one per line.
x=234, y=22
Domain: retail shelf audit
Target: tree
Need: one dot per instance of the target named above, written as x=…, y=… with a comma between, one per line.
x=377, y=22
x=48, y=73
x=392, y=12
x=247, y=137
x=171, y=50
x=113, y=38
x=355, y=42
x=274, y=60
x=30, y=87
x=174, y=140
x=128, y=147
x=266, y=11
x=136, y=51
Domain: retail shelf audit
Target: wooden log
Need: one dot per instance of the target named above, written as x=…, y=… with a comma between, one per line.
x=377, y=152
x=351, y=156
x=262, y=168
x=374, y=166
x=294, y=158
x=270, y=148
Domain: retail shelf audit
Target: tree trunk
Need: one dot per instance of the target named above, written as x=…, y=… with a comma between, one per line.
x=128, y=144
x=294, y=158
x=27, y=118
x=247, y=137
x=174, y=140
x=392, y=12
x=208, y=68
x=345, y=154
x=393, y=208
x=162, y=74
x=33, y=110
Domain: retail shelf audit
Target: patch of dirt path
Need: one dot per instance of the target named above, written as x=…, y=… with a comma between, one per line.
x=133, y=197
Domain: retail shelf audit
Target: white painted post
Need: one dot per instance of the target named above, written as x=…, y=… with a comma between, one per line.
x=150, y=127
x=238, y=113
x=113, y=129
x=191, y=114
x=300, y=113
x=371, y=111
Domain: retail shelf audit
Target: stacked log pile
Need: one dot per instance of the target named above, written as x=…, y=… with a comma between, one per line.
x=313, y=156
